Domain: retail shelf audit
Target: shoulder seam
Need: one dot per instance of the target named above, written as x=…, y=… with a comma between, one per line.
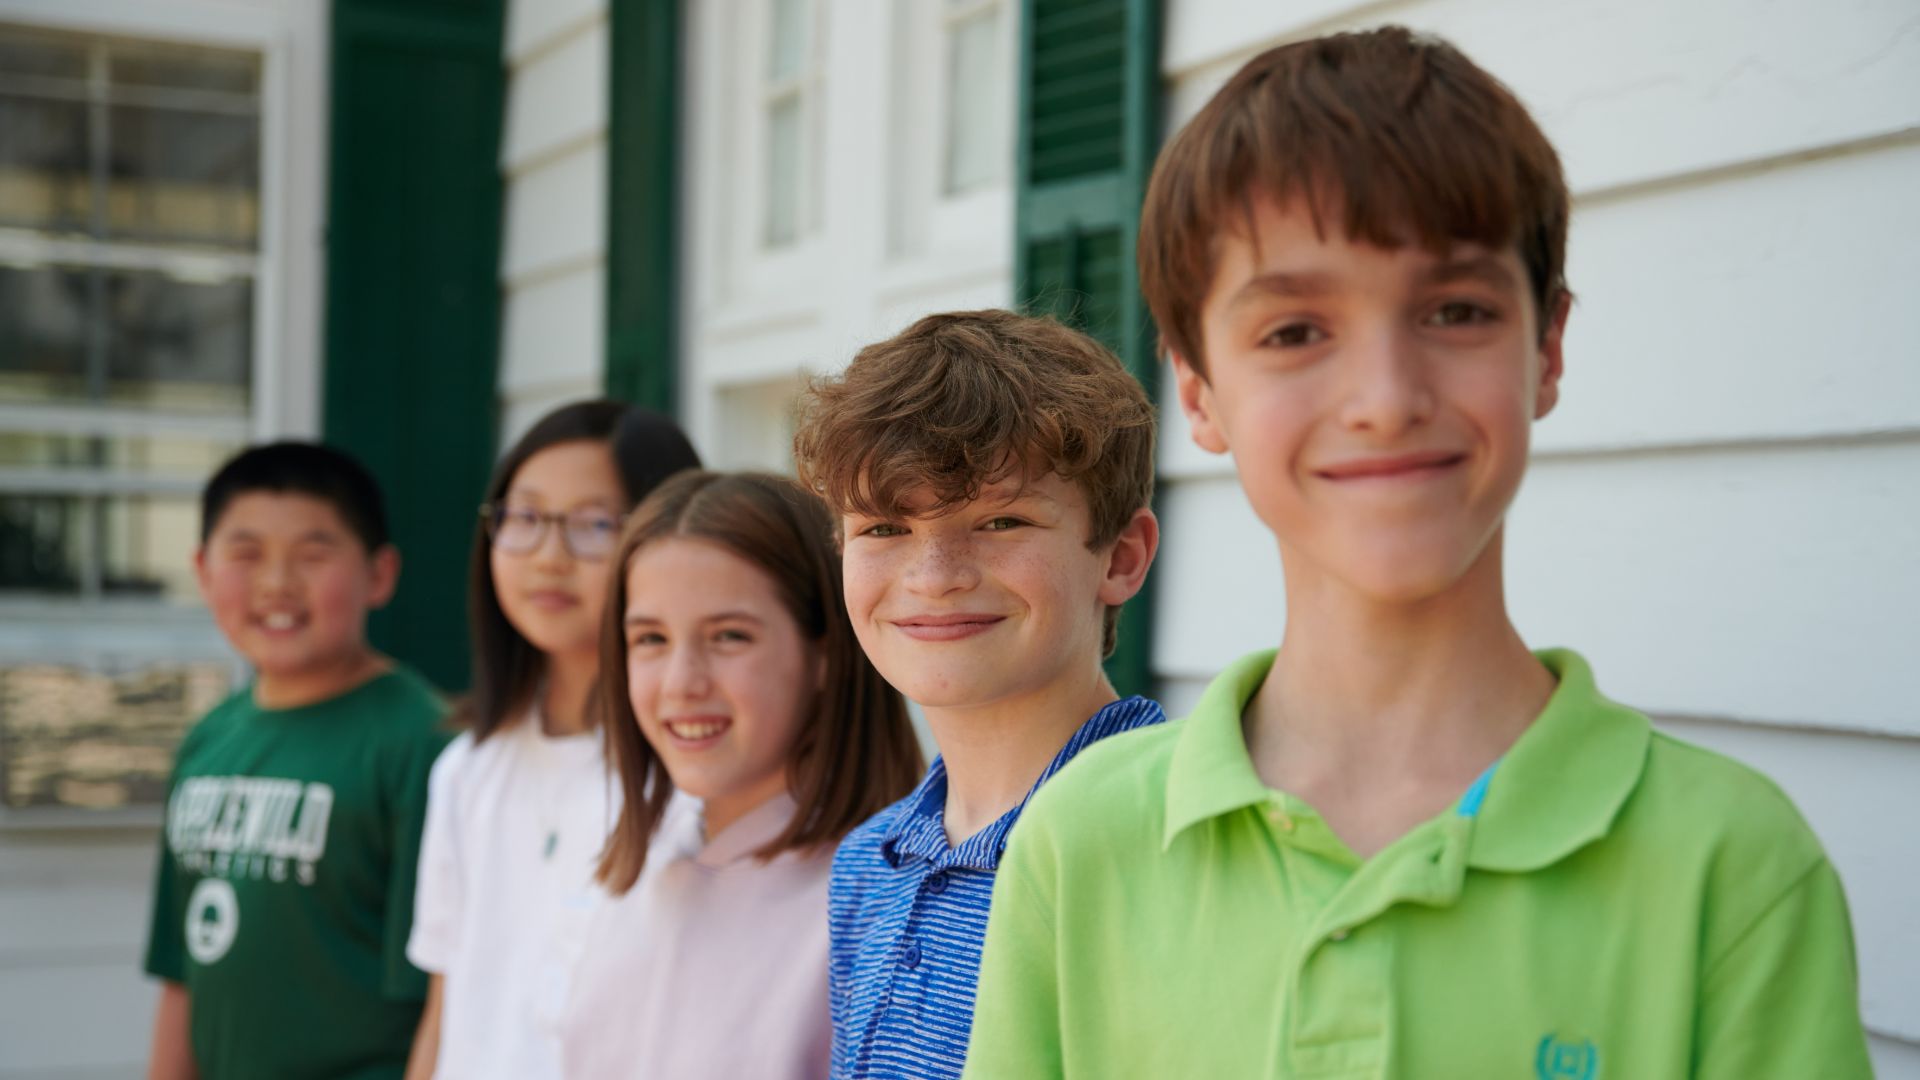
x=1794, y=885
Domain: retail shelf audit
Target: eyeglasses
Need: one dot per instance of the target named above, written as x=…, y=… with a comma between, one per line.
x=518, y=530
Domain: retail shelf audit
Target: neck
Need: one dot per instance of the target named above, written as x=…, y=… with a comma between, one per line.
x=320, y=682
x=994, y=753
x=721, y=811
x=569, y=687
x=1373, y=702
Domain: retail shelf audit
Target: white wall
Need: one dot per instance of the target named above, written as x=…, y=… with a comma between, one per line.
x=74, y=896
x=885, y=248
x=1724, y=512
x=553, y=258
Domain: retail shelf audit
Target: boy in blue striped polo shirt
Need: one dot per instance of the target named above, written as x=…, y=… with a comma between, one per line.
x=993, y=474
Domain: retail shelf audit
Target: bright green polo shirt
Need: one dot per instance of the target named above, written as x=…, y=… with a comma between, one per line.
x=1619, y=905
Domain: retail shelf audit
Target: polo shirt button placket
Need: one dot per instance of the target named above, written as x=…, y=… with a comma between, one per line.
x=1281, y=818
x=910, y=956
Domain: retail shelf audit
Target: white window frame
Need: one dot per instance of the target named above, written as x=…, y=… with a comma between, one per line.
x=938, y=239
x=760, y=275
x=120, y=634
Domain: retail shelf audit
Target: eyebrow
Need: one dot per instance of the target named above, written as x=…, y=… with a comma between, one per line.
x=640, y=618
x=1483, y=268
x=1281, y=283
x=248, y=536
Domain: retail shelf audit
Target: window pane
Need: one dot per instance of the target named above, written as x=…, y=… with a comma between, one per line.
x=165, y=342
x=180, y=175
x=43, y=334
x=75, y=737
x=788, y=47
x=179, y=345
x=43, y=163
x=783, y=172
x=173, y=456
x=32, y=53
x=976, y=114
x=42, y=544
x=142, y=545
x=147, y=544
x=184, y=69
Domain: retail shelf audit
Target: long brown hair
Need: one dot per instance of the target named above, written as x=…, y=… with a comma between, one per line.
x=647, y=447
x=854, y=755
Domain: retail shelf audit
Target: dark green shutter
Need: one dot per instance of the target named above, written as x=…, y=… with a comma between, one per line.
x=642, y=211
x=1089, y=127
x=413, y=295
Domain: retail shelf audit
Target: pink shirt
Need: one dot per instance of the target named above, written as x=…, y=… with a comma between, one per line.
x=714, y=965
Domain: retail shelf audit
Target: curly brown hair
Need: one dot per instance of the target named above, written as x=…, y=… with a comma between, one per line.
x=963, y=400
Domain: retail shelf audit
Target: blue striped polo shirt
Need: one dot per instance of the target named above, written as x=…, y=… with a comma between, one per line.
x=908, y=914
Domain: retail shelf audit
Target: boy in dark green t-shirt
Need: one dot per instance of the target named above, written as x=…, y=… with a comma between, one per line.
x=285, y=887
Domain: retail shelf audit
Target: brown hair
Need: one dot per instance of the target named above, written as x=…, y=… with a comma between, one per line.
x=963, y=400
x=1398, y=133
x=854, y=755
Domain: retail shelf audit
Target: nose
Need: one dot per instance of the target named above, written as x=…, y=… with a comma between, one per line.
x=277, y=574
x=942, y=565
x=688, y=677
x=1388, y=389
x=552, y=551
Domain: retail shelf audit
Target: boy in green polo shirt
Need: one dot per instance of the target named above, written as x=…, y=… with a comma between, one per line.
x=1402, y=845
x=285, y=885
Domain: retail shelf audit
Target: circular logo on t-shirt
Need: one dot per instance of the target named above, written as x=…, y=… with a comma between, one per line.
x=213, y=918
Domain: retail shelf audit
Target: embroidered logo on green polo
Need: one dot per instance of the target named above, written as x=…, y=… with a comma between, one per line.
x=1561, y=1059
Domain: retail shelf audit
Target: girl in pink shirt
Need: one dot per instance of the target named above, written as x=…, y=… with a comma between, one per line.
x=731, y=674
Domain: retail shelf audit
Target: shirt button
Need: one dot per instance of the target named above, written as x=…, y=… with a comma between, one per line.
x=937, y=883
x=910, y=956
x=1338, y=935
x=1281, y=818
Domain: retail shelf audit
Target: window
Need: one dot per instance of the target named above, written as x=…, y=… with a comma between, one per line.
x=977, y=80
x=788, y=99
x=130, y=209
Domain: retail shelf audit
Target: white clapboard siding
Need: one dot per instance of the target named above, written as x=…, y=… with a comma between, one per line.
x=1724, y=512
x=1633, y=90
x=73, y=931
x=553, y=320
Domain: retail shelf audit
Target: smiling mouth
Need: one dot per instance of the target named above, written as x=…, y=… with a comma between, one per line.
x=1399, y=466
x=281, y=622
x=947, y=627
x=697, y=730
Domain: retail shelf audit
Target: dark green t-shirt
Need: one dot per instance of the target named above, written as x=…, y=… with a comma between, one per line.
x=285, y=889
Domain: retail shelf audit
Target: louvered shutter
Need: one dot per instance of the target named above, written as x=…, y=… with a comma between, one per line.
x=1089, y=127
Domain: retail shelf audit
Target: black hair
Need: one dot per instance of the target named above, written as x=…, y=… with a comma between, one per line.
x=300, y=468
x=646, y=447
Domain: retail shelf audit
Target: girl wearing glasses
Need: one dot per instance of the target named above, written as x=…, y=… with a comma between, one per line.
x=520, y=804
x=731, y=674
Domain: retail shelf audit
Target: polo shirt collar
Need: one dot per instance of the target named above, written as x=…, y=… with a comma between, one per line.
x=919, y=830
x=1557, y=789
x=1562, y=784
x=1211, y=773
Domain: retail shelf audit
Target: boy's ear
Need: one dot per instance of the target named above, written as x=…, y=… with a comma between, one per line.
x=201, y=575
x=1130, y=558
x=1196, y=401
x=1552, y=360
x=384, y=565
